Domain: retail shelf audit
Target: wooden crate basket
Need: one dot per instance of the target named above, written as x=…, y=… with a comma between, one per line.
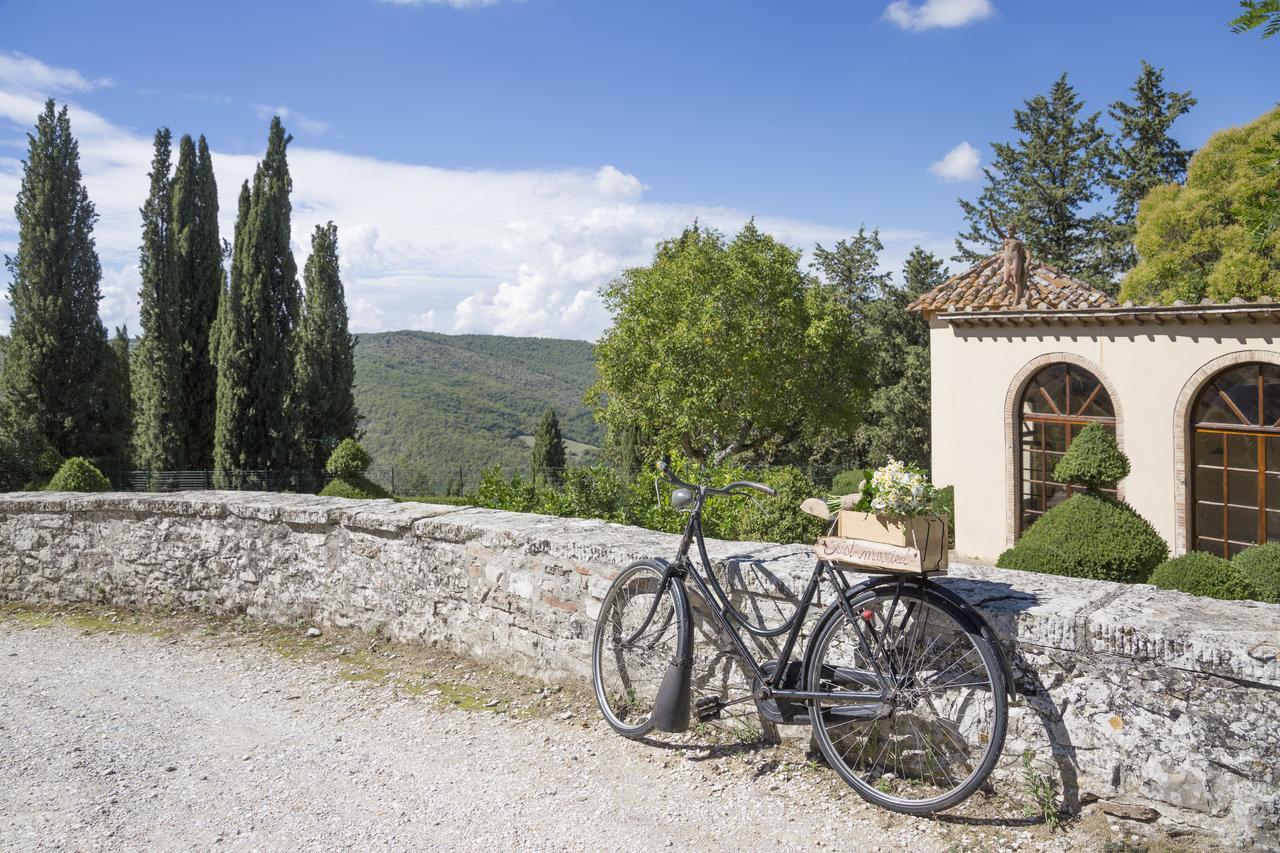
x=875, y=543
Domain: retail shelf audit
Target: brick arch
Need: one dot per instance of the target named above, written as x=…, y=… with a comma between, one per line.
x=1012, y=460
x=1182, y=433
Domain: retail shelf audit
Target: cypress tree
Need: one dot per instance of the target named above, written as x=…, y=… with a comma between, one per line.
x=198, y=282
x=117, y=404
x=255, y=357
x=1043, y=187
x=548, y=449
x=53, y=370
x=157, y=434
x=324, y=406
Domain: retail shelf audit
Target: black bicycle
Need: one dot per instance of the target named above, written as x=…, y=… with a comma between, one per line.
x=904, y=684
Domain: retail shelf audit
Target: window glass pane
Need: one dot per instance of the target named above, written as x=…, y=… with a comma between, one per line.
x=1270, y=395
x=1209, y=449
x=1242, y=452
x=1211, y=546
x=1208, y=483
x=1212, y=409
x=1242, y=488
x=1273, y=454
x=1208, y=520
x=1053, y=379
x=1273, y=526
x=1080, y=385
x=1241, y=386
x=1055, y=437
x=1242, y=525
x=1100, y=407
x=1234, y=548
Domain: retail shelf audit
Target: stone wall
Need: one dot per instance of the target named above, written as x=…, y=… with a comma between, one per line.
x=1161, y=701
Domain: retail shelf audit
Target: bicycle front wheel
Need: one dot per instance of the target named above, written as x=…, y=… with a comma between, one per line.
x=924, y=710
x=635, y=640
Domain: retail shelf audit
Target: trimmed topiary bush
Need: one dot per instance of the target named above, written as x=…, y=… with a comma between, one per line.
x=347, y=464
x=1204, y=574
x=1088, y=536
x=1260, y=565
x=358, y=487
x=1093, y=460
x=348, y=459
x=78, y=474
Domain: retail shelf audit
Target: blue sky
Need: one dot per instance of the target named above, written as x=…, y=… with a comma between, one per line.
x=491, y=164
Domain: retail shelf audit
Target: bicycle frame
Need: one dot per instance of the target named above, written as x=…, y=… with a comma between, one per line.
x=730, y=619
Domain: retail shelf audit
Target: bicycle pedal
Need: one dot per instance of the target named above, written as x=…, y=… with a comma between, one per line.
x=708, y=708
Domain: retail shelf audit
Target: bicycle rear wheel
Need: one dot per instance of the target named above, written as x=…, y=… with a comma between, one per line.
x=935, y=712
x=629, y=655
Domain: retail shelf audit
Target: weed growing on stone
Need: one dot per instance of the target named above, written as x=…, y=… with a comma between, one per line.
x=1042, y=792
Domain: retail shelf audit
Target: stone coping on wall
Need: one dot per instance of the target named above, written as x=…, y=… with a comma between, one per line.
x=1234, y=640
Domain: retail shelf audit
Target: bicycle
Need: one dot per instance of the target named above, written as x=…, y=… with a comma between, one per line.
x=903, y=682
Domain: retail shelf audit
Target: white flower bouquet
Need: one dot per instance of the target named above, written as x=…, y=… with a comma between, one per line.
x=895, y=489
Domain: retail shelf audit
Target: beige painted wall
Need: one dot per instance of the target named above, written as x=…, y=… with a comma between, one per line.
x=1147, y=368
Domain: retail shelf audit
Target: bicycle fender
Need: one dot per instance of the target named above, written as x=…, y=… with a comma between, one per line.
x=964, y=608
x=671, y=706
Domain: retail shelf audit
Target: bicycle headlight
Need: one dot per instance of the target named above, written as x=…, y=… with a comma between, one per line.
x=681, y=498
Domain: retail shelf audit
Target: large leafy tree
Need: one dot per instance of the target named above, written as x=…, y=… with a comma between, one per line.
x=55, y=369
x=897, y=418
x=1144, y=155
x=199, y=279
x=1044, y=187
x=852, y=268
x=158, y=425
x=548, y=458
x=724, y=347
x=1258, y=13
x=255, y=339
x=324, y=408
x=1217, y=236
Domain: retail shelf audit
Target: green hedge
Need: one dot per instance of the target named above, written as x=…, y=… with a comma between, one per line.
x=357, y=487
x=1204, y=574
x=78, y=474
x=1260, y=565
x=1088, y=536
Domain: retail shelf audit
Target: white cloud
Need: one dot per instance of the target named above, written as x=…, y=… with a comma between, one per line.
x=21, y=73
x=961, y=163
x=292, y=117
x=518, y=252
x=931, y=14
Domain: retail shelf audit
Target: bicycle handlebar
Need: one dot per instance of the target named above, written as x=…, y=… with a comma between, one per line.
x=732, y=488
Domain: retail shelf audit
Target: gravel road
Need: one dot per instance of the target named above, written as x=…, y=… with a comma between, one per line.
x=128, y=740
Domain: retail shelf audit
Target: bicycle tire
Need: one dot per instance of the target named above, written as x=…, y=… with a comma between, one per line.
x=626, y=675
x=902, y=772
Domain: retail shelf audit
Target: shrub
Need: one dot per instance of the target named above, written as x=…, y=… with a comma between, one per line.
x=17, y=467
x=1260, y=565
x=1204, y=574
x=348, y=460
x=778, y=518
x=848, y=482
x=77, y=474
x=358, y=487
x=496, y=492
x=1088, y=536
x=1093, y=460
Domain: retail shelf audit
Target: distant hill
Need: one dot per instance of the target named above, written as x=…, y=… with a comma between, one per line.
x=435, y=402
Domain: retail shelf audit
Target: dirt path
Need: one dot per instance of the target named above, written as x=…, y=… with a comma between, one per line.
x=126, y=732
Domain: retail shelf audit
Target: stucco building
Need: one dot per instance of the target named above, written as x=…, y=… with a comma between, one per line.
x=1023, y=357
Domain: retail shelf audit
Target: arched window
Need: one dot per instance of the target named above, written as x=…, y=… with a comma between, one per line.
x=1235, y=426
x=1058, y=402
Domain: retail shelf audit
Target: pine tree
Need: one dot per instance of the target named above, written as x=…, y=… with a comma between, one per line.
x=199, y=280
x=852, y=268
x=255, y=357
x=157, y=433
x=53, y=371
x=1143, y=155
x=548, y=449
x=324, y=406
x=1043, y=188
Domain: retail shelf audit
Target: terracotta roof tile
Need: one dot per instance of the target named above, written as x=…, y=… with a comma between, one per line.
x=982, y=288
